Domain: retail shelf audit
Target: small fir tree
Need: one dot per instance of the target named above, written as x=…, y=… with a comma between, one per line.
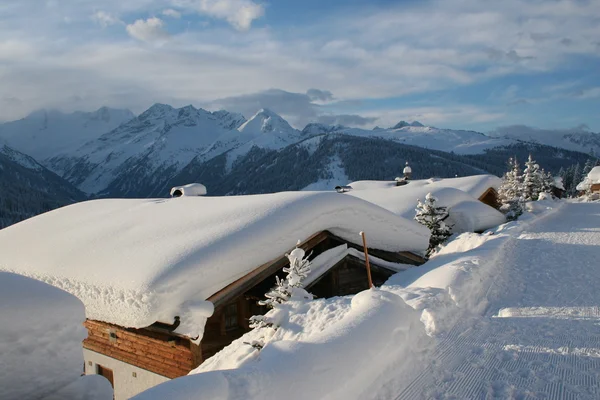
x=433, y=216
x=510, y=195
x=285, y=289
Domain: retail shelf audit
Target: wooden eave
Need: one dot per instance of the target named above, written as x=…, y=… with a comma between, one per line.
x=488, y=191
x=255, y=276
x=251, y=279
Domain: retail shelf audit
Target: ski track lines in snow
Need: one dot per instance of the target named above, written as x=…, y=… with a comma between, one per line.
x=541, y=335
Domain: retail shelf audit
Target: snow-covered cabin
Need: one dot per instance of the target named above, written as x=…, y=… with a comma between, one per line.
x=471, y=200
x=558, y=187
x=166, y=283
x=591, y=183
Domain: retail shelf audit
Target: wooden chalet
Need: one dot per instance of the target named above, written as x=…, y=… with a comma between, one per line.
x=164, y=354
x=491, y=198
x=167, y=283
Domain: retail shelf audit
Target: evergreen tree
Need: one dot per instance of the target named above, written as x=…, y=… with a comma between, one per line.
x=510, y=191
x=589, y=165
x=576, y=178
x=285, y=289
x=547, y=181
x=433, y=216
x=532, y=180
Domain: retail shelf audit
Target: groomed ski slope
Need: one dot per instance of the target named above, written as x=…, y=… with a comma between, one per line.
x=540, y=335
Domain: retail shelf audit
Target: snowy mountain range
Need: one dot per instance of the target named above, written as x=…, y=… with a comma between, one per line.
x=577, y=139
x=137, y=154
x=112, y=153
x=46, y=133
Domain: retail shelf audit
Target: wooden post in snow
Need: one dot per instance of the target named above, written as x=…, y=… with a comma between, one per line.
x=367, y=260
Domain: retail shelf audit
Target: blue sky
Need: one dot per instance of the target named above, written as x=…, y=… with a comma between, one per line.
x=466, y=64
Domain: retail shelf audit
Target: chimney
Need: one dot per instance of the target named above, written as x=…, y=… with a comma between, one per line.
x=192, y=189
x=407, y=172
x=343, y=189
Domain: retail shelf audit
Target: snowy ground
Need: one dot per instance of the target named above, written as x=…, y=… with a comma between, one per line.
x=41, y=329
x=540, y=334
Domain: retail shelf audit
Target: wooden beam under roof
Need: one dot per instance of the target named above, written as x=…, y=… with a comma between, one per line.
x=251, y=279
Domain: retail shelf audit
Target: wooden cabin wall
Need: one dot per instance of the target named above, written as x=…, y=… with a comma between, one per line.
x=218, y=333
x=595, y=187
x=490, y=197
x=349, y=276
x=164, y=354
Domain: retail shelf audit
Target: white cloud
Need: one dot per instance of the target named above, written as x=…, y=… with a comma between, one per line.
x=413, y=47
x=239, y=13
x=169, y=12
x=587, y=93
x=148, y=30
x=457, y=116
x=105, y=19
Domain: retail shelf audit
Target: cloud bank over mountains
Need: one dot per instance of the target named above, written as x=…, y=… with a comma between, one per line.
x=377, y=61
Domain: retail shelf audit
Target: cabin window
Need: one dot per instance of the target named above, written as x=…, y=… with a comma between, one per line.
x=231, y=317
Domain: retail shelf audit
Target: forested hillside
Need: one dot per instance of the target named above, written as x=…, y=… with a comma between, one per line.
x=28, y=189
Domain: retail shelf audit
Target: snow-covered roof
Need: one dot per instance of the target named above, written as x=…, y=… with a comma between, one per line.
x=461, y=195
x=594, y=175
x=135, y=261
x=592, y=178
x=475, y=185
x=191, y=189
x=558, y=183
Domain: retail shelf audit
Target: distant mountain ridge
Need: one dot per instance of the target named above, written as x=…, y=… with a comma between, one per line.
x=575, y=139
x=144, y=154
x=50, y=132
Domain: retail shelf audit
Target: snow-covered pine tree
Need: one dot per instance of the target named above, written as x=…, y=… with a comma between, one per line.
x=532, y=180
x=510, y=191
x=547, y=181
x=284, y=289
x=576, y=177
x=298, y=269
x=433, y=216
x=589, y=165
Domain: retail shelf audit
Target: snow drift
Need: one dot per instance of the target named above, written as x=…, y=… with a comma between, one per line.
x=41, y=329
x=342, y=361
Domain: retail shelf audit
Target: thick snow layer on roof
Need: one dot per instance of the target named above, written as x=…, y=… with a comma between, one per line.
x=467, y=214
x=41, y=329
x=133, y=262
x=592, y=178
x=475, y=185
x=594, y=175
